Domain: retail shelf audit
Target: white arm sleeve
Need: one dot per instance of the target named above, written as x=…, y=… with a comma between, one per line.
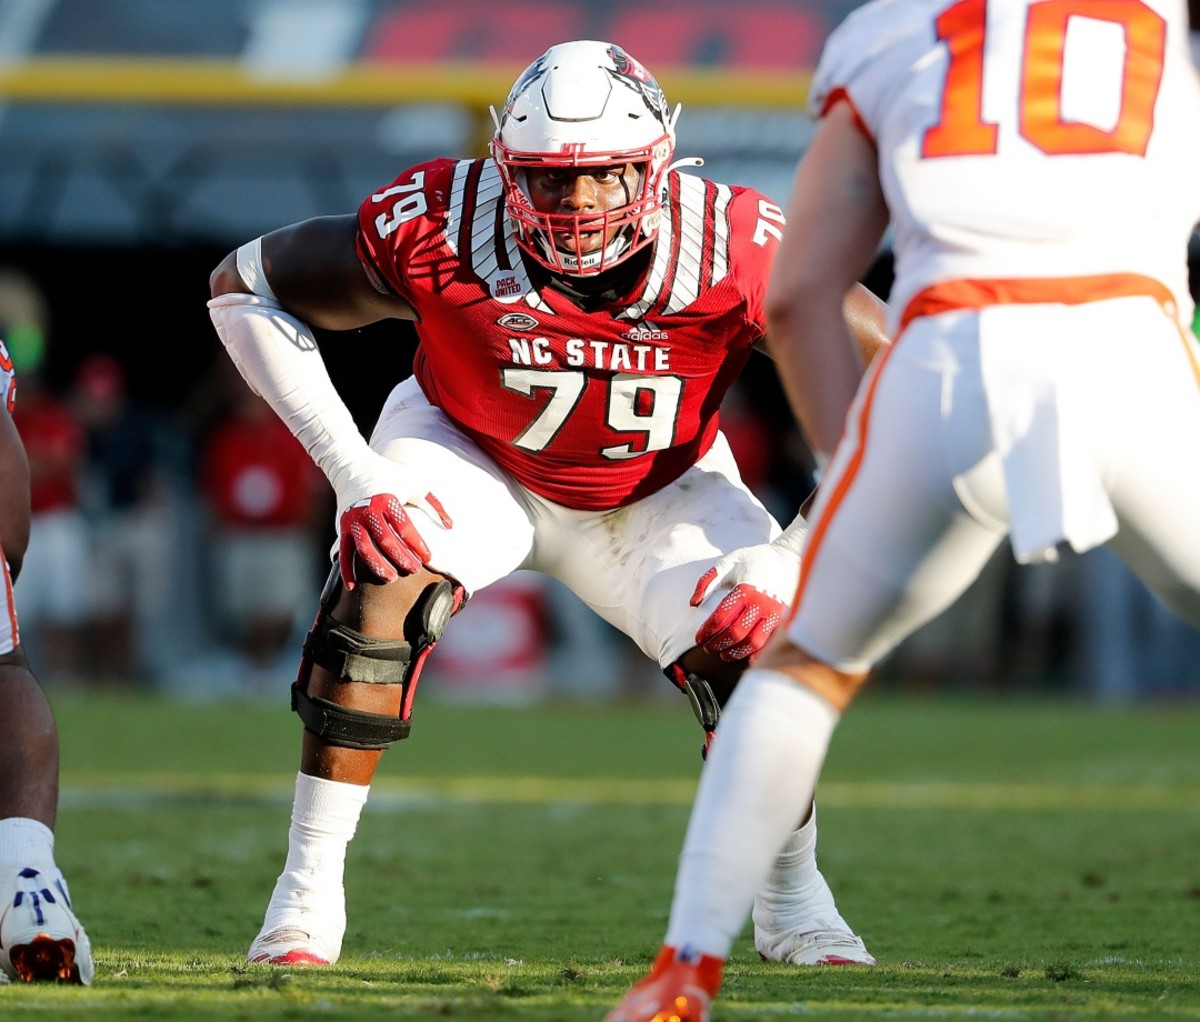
x=278, y=357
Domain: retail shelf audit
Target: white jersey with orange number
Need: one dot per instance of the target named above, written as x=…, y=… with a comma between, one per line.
x=1038, y=159
x=1073, y=157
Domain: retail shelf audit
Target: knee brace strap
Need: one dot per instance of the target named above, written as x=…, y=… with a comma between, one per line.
x=351, y=729
x=351, y=656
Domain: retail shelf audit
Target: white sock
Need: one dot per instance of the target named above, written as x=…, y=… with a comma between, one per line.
x=324, y=819
x=795, y=895
x=757, y=782
x=803, y=842
x=795, y=866
x=26, y=842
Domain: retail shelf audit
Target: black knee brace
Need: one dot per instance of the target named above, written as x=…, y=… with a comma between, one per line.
x=706, y=704
x=351, y=656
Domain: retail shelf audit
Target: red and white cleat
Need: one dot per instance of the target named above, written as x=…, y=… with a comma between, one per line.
x=287, y=945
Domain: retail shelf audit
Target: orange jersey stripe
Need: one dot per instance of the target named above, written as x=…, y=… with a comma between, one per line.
x=951, y=295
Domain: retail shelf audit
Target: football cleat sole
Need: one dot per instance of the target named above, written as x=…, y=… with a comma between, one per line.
x=45, y=959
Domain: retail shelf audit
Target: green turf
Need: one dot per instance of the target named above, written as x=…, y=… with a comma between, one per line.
x=1002, y=860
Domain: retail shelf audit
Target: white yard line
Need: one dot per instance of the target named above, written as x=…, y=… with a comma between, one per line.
x=113, y=789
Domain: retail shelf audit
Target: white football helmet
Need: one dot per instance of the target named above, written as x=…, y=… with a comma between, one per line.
x=584, y=104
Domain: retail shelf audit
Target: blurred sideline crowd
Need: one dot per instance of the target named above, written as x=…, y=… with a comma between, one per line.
x=183, y=551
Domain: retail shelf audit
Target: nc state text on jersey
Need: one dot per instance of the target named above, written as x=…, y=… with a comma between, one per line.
x=614, y=356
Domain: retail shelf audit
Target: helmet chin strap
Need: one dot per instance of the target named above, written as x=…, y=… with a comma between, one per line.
x=572, y=263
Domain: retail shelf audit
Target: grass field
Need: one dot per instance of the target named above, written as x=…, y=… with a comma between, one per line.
x=1002, y=860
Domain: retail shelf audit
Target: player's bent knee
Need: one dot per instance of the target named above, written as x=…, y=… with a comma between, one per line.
x=836, y=686
x=351, y=657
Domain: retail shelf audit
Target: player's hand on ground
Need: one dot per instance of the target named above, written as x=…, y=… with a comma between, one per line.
x=761, y=583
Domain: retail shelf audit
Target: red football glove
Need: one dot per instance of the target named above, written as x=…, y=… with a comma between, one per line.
x=379, y=531
x=743, y=621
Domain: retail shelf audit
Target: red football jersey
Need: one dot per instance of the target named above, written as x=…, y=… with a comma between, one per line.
x=594, y=409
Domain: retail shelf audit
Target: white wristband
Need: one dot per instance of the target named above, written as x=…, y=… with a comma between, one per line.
x=250, y=268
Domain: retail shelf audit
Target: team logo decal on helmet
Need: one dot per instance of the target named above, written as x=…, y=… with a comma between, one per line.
x=585, y=104
x=642, y=80
x=530, y=75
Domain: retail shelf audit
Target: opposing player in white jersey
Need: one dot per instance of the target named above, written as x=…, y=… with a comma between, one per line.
x=40, y=937
x=1037, y=160
x=582, y=308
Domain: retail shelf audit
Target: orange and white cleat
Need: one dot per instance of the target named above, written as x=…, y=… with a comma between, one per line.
x=679, y=988
x=41, y=941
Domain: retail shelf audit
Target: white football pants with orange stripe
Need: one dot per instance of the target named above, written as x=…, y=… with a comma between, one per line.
x=1096, y=408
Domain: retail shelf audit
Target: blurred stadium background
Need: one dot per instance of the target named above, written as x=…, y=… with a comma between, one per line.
x=142, y=139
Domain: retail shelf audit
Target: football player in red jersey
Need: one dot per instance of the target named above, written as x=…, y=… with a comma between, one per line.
x=40, y=937
x=582, y=309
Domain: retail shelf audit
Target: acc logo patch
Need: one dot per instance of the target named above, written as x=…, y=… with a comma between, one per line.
x=517, y=321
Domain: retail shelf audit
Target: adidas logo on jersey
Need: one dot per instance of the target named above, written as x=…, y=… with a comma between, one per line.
x=645, y=332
